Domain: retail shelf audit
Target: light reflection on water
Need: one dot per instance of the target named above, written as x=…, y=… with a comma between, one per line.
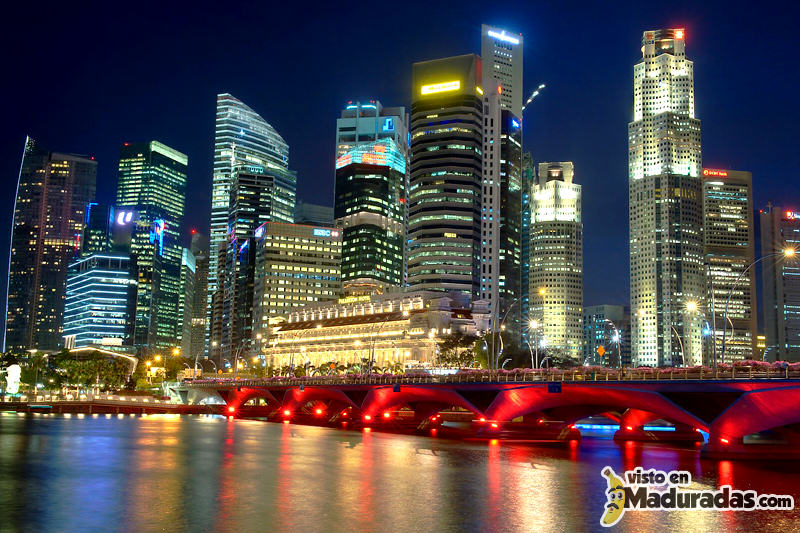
x=202, y=473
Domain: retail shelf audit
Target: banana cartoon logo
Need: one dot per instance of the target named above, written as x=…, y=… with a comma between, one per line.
x=615, y=507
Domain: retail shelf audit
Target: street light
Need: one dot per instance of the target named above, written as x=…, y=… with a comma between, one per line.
x=787, y=253
x=534, y=325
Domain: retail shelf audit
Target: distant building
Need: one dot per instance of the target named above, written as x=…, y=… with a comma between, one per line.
x=199, y=329
x=313, y=214
x=186, y=292
x=53, y=192
x=100, y=302
x=556, y=269
x=152, y=183
x=608, y=326
x=780, y=230
x=399, y=330
x=528, y=179
x=729, y=250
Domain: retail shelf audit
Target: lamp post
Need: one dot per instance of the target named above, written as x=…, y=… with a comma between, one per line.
x=616, y=339
x=534, y=325
x=787, y=253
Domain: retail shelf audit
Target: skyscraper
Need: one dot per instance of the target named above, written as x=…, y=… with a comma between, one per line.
x=729, y=250
x=666, y=206
x=243, y=141
x=528, y=178
x=501, y=210
x=446, y=175
x=152, y=182
x=501, y=52
x=370, y=196
x=780, y=230
x=556, y=272
x=199, y=249
x=367, y=122
x=53, y=192
x=186, y=292
x=101, y=302
x=97, y=229
x=608, y=326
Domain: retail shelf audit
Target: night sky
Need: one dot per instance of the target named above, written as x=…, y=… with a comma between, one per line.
x=84, y=78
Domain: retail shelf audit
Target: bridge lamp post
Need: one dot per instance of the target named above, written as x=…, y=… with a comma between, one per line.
x=543, y=345
x=533, y=325
x=786, y=253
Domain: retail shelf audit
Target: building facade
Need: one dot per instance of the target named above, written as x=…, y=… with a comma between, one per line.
x=391, y=331
x=96, y=237
x=199, y=327
x=528, y=179
x=556, y=265
x=100, y=302
x=608, y=326
x=152, y=183
x=369, y=206
x=446, y=176
x=188, y=286
x=295, y=265
x=368, y=122
x=729, y=250
x=780, y=231
x=666, y=206
x=501, y=52
x=53, y=192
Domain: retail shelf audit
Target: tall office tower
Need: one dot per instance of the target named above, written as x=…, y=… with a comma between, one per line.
x=367, y=122
x=243, y=141
x=313, y=214
x=199, y=331
x=256, y=197
x=501, y=211
x=608, y=326
x=186, y=301
x=729, y=250
x=528, y=174
x=780, y=230
x=369, y=207
x=100, y=305
x=53, y=191
x=152, y=182
x=294, y=265
x=236, y=286
x=501, y=52
x=556, y=276
x=444, y=229
x=666, y=210
x=96, y=238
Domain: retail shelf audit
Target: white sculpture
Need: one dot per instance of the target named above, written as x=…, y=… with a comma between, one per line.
x=13, y=373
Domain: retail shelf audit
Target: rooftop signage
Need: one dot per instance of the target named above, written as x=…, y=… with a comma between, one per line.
x=441, y=87
x=503, y=36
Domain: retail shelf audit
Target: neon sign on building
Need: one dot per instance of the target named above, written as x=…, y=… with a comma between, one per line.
x=383, y=153
x=441, y=87
x=715, y=172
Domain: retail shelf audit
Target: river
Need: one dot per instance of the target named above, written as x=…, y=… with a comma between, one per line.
x=194, y=473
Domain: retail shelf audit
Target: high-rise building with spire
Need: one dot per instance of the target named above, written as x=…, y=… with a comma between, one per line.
x=666, y=205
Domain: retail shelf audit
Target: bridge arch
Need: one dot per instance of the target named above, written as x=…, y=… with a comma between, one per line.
x=385, y=398
x=758, y=410
x=513, y=402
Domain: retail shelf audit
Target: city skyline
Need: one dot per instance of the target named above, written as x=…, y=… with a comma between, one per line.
x=607, y=259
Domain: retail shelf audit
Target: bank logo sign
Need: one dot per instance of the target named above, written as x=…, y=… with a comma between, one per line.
x=655, y=490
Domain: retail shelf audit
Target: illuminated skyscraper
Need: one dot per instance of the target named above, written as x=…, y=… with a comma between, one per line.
x=370, y=210
x=53, y=192
x=780, y=230
x=101, y=302
x=243, y=141
x=199, y=330
x=152, y=182
x=501, y=52
x=366, y=122
x=728, y=236
x=666, y=205
x=528, y=178
x=96, y=238
x=186, y=292
x=556, y=274
x=446, y=175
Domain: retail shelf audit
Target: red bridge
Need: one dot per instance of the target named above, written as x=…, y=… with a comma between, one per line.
x=743, y=412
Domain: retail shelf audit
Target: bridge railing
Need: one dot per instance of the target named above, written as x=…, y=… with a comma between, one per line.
x=522, y=376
